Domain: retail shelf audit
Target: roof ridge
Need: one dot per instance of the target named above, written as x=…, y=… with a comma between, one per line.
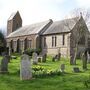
x=12, y=15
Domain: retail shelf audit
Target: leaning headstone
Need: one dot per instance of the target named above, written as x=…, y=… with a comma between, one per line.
x=25, y=68
x=4, y=65
x=62, y=67
x=76, y=69
x=35, y=58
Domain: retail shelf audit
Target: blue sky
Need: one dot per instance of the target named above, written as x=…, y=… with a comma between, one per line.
x=33, y=11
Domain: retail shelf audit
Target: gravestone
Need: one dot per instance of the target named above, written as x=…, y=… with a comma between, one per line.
x=44, y=58
x=88, y=57
x=39, y=59
x=35, y=58
x=25, y=68
x=4, y=64
x=5, y=54
x=62, y=67
x=56, y=58
x=10, y=51
x=84, y=60
x=59, y=56
x=53, y=59
x=76, y=69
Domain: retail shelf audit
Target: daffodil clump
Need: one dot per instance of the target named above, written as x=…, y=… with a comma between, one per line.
x=39, y=71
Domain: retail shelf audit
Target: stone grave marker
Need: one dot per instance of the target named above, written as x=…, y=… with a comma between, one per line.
x=88, y=57
x=53, y=59
x=4, y=64
x=59, y=56
x=56, y=58
x=76, y=69
x=84, y=60
x=35, y=58
x=39, y=59
x=44, y=58
x=25, y=68
x=62, y=67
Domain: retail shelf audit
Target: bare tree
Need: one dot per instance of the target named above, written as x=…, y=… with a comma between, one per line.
x=80, y=29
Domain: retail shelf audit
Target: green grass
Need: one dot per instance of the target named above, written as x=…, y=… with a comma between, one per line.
x=68, y=81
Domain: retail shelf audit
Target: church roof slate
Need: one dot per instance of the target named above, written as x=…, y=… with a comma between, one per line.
x=62, y=26
x=29, y=29
x=65, y=25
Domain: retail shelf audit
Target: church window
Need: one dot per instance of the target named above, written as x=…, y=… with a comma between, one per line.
x=29, y=43
x=44, y=41
x=63, y=39
x=54, y=41
x=21, y=45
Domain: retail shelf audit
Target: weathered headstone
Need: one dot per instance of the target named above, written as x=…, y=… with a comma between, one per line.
x=39, y=59
x=10, y=51
x=44, y=58
x=25, y=68
x=53, y=59
x=62, y=67
x=35, y=58
x=3, y=53
x=76, y=69
x=4, y=65
x=88, y=57
x=58, y=56
x=84, y=60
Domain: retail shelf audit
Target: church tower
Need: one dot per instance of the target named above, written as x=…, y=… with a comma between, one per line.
x=14, y=22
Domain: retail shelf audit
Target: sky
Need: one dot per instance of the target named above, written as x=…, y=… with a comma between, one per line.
x=33, y=11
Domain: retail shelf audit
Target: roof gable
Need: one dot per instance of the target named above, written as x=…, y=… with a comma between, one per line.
x=13, y=15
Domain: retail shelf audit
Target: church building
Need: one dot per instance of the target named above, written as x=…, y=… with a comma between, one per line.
x=52, y=37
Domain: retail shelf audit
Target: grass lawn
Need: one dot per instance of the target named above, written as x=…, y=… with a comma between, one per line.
x=68, y=81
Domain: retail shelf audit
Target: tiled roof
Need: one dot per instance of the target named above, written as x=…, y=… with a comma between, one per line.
x=65, y=25
x=62, y=26
x=29, y=29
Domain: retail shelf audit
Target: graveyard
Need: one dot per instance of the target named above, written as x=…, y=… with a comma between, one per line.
x=46, y=75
